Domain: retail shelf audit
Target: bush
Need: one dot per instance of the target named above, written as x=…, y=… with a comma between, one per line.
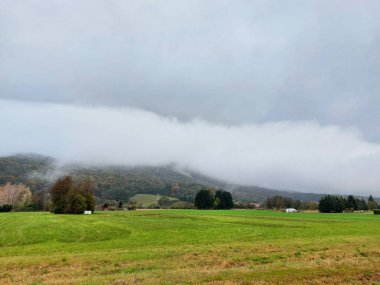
x=153, y=206
x=131, y=207
x=376, y=211
x=6, y=208
x=164, y=202
x=182, y=205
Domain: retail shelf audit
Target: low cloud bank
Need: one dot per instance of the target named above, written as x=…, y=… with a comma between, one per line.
x=302, y=155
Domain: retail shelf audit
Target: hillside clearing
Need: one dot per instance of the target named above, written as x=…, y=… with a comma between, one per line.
x=146, y=200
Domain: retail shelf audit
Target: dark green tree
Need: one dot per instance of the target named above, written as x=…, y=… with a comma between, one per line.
x=75, y=202
x=362, y=205
x=331, y=204
x=204, y=199
x=223, y=200
x=86, y=189
x=219, y=200
x=372, y=203
x=59, y=193
x=351, y=203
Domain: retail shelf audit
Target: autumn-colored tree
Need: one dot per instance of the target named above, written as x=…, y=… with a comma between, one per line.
x=17, y=195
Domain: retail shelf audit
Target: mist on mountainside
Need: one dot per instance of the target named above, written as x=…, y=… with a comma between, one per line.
x=121, y=182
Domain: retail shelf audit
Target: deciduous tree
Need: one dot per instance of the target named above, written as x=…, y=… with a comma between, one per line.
x=69, y=198
x=17, y=195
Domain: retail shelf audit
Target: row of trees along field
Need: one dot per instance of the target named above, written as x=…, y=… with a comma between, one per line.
x=67, y=196
x=209, y=199
x=280, y=202
x=338, y=204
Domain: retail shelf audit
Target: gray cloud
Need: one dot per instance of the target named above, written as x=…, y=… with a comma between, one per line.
x=230, y=62
x=288, y=155
x=276, y=93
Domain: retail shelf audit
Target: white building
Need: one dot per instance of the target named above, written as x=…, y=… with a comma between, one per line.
x=291, y=210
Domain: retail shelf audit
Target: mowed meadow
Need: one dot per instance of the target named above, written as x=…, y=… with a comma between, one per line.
x=190, y=247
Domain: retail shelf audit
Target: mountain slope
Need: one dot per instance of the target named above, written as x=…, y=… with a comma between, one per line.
x=121, y=182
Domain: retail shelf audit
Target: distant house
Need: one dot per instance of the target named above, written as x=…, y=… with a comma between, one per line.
x=291, y=210
x=255, y=205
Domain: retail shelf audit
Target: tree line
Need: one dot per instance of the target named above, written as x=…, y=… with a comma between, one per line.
x=338, y=204
x=280, y=202
x=327, y=204
x=69, y=196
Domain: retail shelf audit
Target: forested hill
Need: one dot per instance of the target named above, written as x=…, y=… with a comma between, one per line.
x=21, y=169
x=116, y=182
x=121, y=183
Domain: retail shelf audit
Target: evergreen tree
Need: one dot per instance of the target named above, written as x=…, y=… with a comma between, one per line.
x=362, y=205
x=372, y=203
x=223, y=200
x=351, y=203
x=228, y=201
x=331, y=204
x=204, y=199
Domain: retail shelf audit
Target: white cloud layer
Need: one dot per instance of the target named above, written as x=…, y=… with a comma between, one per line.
x=298, y=155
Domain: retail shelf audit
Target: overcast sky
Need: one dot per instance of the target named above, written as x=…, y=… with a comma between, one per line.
x=281, y=94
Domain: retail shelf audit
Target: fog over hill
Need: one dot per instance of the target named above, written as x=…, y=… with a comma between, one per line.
x=121, y=182
x=281, y=155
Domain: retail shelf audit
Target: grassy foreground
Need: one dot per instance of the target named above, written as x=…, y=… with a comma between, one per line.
x=189, y=247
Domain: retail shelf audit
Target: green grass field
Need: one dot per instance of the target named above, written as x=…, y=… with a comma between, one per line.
x=189, y=247
x=145, y=200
